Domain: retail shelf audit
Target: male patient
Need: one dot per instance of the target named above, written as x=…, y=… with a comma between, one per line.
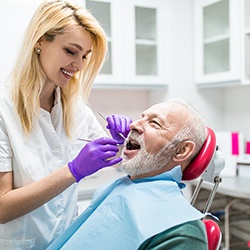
x=147, y=206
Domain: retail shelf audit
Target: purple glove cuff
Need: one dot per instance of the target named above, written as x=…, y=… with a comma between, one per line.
x=73, y=172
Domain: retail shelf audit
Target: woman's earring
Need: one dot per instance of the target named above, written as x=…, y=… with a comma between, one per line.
x=38, y=51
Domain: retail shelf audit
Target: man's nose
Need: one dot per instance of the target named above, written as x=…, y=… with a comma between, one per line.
x=137, y=126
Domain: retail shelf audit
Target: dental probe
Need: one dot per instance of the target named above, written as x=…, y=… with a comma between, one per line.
x=87, y=140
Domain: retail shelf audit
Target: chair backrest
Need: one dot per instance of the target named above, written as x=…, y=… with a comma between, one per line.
x=213, y=234
x=201, y=161
x=208, y=163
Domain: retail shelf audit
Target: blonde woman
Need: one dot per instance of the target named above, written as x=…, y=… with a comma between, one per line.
x=42, y=115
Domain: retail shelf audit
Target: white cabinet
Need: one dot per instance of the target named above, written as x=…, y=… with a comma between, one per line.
x=138, y=46
x=218, y=42
x=245, y=24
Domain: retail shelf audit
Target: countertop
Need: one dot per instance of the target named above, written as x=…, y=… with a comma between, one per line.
x=237, y=187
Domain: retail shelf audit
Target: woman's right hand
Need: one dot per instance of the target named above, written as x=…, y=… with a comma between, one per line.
x=94, y=156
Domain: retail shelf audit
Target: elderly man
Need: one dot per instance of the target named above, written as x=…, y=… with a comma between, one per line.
x=147, y=205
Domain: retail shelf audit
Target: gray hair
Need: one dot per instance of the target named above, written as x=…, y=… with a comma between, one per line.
x=194, y=129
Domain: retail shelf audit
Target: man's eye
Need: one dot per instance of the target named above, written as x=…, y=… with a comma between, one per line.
x=156, y=123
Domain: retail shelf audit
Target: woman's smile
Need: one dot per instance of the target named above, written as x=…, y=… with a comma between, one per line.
x=66, y=73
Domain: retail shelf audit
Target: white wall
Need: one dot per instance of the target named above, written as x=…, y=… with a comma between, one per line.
x=15, y=21
x=130, y=102
x=208, y=102
x=13, y=24
x=226, y=109
x=236, y=104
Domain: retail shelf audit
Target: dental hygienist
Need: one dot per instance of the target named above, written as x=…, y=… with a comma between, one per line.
x=42, y=115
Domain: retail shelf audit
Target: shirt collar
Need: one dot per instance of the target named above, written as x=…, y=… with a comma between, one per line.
x=174, y=174
x=57, y=95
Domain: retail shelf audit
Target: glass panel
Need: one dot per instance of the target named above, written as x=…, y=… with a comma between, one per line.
x=216, y=37
x=145, y=23
x=216, y=19
x=247, y=56
x=216, y=56
x=247, y=16
x=107, y=66
x=101, y=11
x=146, y=36
x=146, y=60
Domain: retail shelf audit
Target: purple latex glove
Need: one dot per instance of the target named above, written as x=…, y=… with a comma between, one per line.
x=95, y=155
x=120, y=124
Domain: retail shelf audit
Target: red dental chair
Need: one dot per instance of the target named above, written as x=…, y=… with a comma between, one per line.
x=207, y=165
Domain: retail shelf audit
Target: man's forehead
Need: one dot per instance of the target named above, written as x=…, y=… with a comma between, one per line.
x=161, y=108
x=169, y=112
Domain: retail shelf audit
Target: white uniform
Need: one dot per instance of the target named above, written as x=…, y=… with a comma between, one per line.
x=34, y=157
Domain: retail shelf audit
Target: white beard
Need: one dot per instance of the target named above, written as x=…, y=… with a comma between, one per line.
x=144, y=162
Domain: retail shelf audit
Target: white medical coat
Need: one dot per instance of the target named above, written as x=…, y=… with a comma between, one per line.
x=45, y=150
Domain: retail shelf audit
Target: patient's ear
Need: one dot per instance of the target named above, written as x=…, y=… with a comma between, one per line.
x=184, y=151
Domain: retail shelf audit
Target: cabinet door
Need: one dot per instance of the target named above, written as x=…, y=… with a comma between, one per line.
x=136, y=40
x=217, y=41
x=146, y=58
x=102, y=12
x=245, y=24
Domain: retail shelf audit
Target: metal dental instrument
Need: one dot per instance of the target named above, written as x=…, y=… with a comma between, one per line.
x=88, y=140
x=120, y=134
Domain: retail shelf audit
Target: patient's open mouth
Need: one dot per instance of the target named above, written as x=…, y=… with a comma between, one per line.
x=132, y=145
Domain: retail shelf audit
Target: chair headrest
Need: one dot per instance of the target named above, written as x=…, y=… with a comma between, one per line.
x=201, y=161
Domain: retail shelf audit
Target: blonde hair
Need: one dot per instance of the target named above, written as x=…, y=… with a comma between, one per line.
x=52, y=18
